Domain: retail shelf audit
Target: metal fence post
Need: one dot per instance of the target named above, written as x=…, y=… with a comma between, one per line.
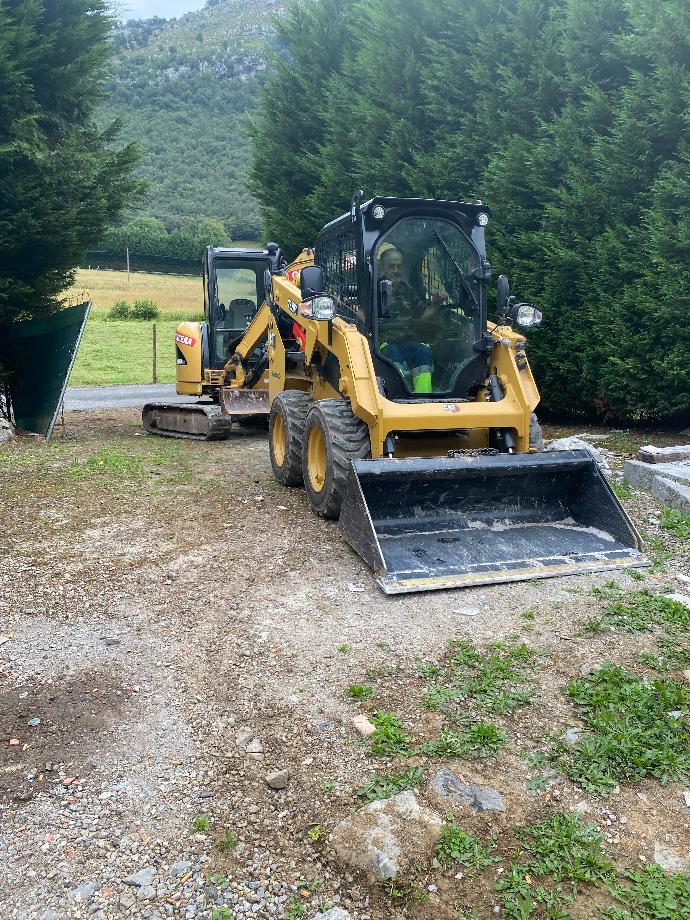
x=155, y=378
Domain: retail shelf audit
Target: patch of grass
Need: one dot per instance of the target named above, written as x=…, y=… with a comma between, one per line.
x=109, y=462
x=636, y=611
x=344, y=648
x=490, y=681
x=228, y=842
x=634, y=728
x=121, y=352
x=677, y=522
x=556, y=856
x=621, y=489
x=222, y=913
x=672, y=655
x=528, y=615
x=294, y=908
x=360, y=691
x=651, y=895
x=390, y=736
x=475, y=739
x=567, y=848
x=384, y=785
x=457, y=846
x=202, y=824
x=315, y=833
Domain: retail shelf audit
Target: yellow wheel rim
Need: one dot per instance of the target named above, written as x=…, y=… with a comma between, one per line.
x=279, y=439
x=316, y=459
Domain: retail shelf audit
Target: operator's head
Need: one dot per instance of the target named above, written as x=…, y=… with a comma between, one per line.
x=391, y=264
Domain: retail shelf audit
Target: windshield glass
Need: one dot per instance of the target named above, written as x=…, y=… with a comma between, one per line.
x=433, y=312
x=238, y=292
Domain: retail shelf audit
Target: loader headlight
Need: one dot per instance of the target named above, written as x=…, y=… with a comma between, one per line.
x=482, y=218
x=322, y=308
x=524, y=314
x=378, y=212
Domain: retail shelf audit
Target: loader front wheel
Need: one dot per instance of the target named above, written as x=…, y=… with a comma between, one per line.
x=285, y=432
x=333, y=437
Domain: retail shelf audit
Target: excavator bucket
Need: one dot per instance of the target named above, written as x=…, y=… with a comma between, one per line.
x=424, y=525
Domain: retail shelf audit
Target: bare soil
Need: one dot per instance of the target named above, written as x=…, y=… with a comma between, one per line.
x=158, y=595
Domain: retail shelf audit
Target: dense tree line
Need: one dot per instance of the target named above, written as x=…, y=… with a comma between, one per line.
x=568, y=117
x=148, y=237
x=63, y=179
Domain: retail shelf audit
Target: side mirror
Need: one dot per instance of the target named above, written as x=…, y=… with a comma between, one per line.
x=311, y=281
x=385, y=297
x=503, y=294
x=525, y=314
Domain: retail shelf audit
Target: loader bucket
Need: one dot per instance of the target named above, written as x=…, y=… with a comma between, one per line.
x=455, y=522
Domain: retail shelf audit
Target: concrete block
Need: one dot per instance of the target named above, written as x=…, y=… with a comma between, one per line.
x=671, y=493
x=650, y=454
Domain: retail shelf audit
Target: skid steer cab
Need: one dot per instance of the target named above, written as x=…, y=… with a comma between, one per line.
x=407, y=414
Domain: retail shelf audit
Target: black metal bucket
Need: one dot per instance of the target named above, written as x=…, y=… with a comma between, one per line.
x=446, y=523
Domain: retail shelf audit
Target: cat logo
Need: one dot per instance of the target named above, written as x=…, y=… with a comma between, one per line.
x=185, y=340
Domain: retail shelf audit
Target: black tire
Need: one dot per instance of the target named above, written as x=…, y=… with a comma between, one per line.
x=536, y=438
x=344, y=438
x=286, y=422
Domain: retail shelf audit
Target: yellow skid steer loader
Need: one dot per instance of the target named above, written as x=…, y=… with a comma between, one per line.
x=408, y=415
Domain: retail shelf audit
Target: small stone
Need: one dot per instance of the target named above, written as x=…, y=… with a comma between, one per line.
x=244, y=736
x=14, y=742
x=179, y=868
x=142, y=878
x=686, y=797
x=82, y=893
x=582, y=807
x=34, y=722
x=110, y=641
x=467, y=611
x=670, y=860
x=335, y=913
x=480, y=798
x=363, y=726
x=146, y=892
x=278, y=779
x=571, y=736
x=254, y=747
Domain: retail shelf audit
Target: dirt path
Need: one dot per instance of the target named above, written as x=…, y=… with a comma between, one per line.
x=182, y=627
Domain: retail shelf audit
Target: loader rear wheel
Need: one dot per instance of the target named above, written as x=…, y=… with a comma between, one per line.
x=285, y=431
x=333, y=437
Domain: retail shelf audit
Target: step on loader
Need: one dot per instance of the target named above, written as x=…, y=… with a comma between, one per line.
x=406, y=413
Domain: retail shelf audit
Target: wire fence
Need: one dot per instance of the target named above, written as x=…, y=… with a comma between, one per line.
x=140, y=262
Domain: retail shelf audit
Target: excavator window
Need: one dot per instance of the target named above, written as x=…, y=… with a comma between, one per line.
x=432, y=315
x=236, y=291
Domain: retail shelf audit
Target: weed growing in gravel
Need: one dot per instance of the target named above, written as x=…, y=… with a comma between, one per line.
x=384, y=785
x=398, y=888
x=315, y=833
x=222, y=913
x=562, y=849
x=228, y=842
x=360, y=691
x=344, y=648
x=672, y=655
x=490, y=681
x=294, y=908
x=201, y=824
x=651, y=895
x=636, y=611
x=621, y=489
x=457, y=846
x=108, y=462
x=390, y=736
x=677, y=522
x=635, y=728
x=475, y=739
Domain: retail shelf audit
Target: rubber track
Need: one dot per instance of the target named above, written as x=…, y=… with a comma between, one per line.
x=219, y=425
x=349, y=438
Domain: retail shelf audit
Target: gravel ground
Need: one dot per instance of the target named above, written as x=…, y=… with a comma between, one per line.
x=181, y=628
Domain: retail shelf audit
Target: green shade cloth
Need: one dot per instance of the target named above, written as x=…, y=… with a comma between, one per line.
x=42, y=351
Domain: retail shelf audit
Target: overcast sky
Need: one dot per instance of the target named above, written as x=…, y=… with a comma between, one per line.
x=145, y=9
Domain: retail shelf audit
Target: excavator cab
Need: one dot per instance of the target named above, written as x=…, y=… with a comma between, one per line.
x=234, y=288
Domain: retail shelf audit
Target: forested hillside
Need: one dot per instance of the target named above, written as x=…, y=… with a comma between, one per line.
x=182, y=89
x=568, y=117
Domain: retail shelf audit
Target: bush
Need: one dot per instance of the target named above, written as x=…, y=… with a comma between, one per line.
x=145, y=309
x=120, y=310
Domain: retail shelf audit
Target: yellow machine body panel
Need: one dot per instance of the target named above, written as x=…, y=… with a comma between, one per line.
x=188, y=351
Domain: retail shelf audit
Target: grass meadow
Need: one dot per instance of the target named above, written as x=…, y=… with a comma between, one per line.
x=121, y=352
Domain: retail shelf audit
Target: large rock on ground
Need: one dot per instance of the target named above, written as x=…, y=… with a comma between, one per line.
x=6, y=430
x=479, y=798
x=387, y=836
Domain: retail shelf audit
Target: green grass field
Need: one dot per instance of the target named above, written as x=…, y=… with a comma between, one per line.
x=121, y=352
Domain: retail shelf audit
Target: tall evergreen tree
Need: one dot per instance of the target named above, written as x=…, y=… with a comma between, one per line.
x=62, y=179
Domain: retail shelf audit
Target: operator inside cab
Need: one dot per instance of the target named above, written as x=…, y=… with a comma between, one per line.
x=432, y=319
